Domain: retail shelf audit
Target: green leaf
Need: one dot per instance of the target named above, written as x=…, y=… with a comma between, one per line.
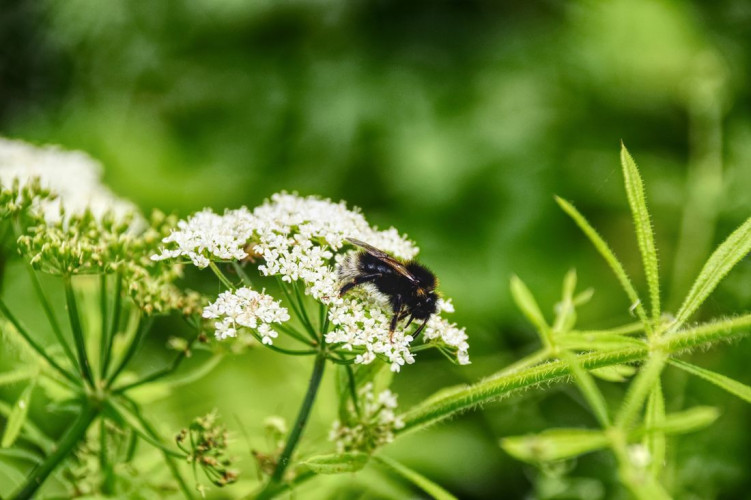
x=434, y=490
x=608, y=255
x=337, y=463
x=17, y=417
x=602, y=342
x=555, y=444
x=643, y=225
x=21, y=454
x=527, y=304
x=727, y=255
x=588, y=388
x=13, y=376
x=732, y=386
x=639, y=390
x=655, y=419
x=687, y=421
x=615, y=373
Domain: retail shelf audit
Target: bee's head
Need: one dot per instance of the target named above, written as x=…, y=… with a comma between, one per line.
x=425, y=276
x=425, y=305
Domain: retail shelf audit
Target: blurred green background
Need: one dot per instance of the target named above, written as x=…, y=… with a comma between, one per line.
x=454, y=121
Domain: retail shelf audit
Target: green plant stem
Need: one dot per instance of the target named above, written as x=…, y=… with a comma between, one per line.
x=36, y=347
x=75, y=325
x=132, y=349
x=241, y=272
x=103, y=324
x=639, y=390
x=49, y=312
x=114, y=325
x=64, y=448
x=498, y=387
x=302, y=420
x=274, y=490
x=219, y=274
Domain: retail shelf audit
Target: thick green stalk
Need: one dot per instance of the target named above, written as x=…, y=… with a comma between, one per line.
x=64, y=448
x=297, y=430
x=75, y=325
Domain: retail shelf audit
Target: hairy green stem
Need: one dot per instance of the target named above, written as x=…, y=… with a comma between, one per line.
x=498, y=387
x=75, y=325
x=297, y=430
x=219, y=274
x=72, y=437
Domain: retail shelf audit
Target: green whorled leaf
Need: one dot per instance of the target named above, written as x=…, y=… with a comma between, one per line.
x=527, y=304
x=719, y=264
x=17, y=417
x=337, y=463
x=615, y=373
x=555, y=444
x=608, y=255
x=31, y=432
x=565, y=310
x=683, y=422
x=10, y=477
x=643, y=225
x=655, y=419
x=434, y=490
x=603, y=342
x=13, y=376
x=734, y=387
x=21, y=454
x=583, y=297
x=587, y=387
x=639, y=390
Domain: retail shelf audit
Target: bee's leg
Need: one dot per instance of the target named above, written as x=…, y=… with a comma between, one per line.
x=420, y=329
x=404, y=314
x=397, y=306
x=358, y=280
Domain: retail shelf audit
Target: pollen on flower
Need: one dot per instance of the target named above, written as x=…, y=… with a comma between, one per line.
x=246, y=308
x=375, y=425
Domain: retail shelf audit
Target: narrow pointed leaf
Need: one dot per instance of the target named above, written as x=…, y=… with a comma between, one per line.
x=588, y=388
x=732, y=386
x=554, y=444
x=608, y=255
x=18, y=375
x=655, y=419
x=615, y=373
x=434, y=490
x=719, y=264
x=638, y=391
x=17, y=417
x=604, y=342
x=691, y=420
x=643, y=226
x=337, y=463
x=527, y=304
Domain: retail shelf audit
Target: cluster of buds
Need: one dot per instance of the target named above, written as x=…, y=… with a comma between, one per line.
x=205, y=445
x=372, y=423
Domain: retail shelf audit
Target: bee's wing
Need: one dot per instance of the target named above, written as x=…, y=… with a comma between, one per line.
x=384, y=257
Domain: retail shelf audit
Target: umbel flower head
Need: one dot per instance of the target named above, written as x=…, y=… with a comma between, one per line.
x=303, y=242
x=73, y=177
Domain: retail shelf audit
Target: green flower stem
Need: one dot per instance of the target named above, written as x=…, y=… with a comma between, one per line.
x=219, y=274
x=241, y=273
x=36, y=347
x=274, y=490
x=103, y=316
x=305, y=318
x=281, y=327
x=144, y=327
x=169, y=455
x=49, y=312
x=498, y=387
x=297, y=430
x=114, y=325
x=75, y=325
x=72, y=437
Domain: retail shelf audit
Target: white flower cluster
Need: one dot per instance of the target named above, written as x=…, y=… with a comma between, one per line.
x=246, y=308
x=376, y=424
x=206, y=234
x=73, y=176
x=301, y=239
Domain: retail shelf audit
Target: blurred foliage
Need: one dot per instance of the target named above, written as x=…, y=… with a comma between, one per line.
x=455, y=121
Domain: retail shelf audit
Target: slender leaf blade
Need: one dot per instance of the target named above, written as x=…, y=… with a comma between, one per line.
x=734, y=387
x=13, y=376
x=434, y=490
x=588, y=388
x=686, y=421
x=17, y=417
x=719, y=264
x=605, y=251
x=643, y=226
x=554, y=444
x=527, y=304
x=337, y=463
x=615, y=373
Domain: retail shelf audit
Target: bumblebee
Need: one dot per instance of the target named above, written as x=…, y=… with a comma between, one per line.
x=408, y=286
